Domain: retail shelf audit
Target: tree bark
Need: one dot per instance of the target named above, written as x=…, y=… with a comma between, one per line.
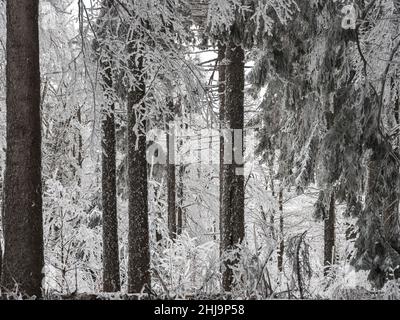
x=158, y=194
x=80, y=140
x=281, y=232
x=111, y=274
x=1, y=256
x=180, y=199
x=329, y=235
x=2, y=219
x=181, y=173
x=77, y=150
x=23, y=230
x=138, y=238
x=221, y=95
x=232, y=217
x=171, y=176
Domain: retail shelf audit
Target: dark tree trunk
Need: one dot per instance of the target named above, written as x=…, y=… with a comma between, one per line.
x=271, y=223
x=1, y=257
x=80, y=141
x=281, y=250
x=158, y=194
x=77, y=150
x=181, y=173
x=221, y=94
x=180, y=199
x=232, y=215
x=329, y=216
x=273, y=212
x=111, y=275
x=23, y=229
x=2, y=219
x=171, y=176
x=138, y=238
x=329, y=235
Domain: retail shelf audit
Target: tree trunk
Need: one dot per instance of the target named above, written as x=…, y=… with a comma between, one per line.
x=232, y=215
x=1, y=256
x=281, y=232
x=138, y=238
x=111, y=275
x=77, y=146
x=180, y=199
x=2, y=219
x=80, y=141
x=23, y=229
x=171, y=175
x=181, y=173
x=221, y=94
x=157, y=193
x=329, y=235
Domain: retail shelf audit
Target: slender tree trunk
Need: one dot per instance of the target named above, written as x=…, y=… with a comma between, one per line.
x=329, y=235
x=157, y=193
x=1, y=256
x=330, y=216
x=180, y=199
x=232, y=215
x=221, y=94
x=80, y=141
x=181, y=175
x=138, y=238
x=171, y=194
x=23, y=229
x=271, y=223
x=171, y=176
x=273, y=193
x=281, y=232
x=2, y=219
x=111, y=274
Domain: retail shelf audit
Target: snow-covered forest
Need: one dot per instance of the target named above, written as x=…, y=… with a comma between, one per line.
x=200, y=149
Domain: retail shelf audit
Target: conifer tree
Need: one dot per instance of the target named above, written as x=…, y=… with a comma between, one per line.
x=22, y=216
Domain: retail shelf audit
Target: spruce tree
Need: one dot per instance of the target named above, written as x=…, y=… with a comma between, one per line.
x=22, y=217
